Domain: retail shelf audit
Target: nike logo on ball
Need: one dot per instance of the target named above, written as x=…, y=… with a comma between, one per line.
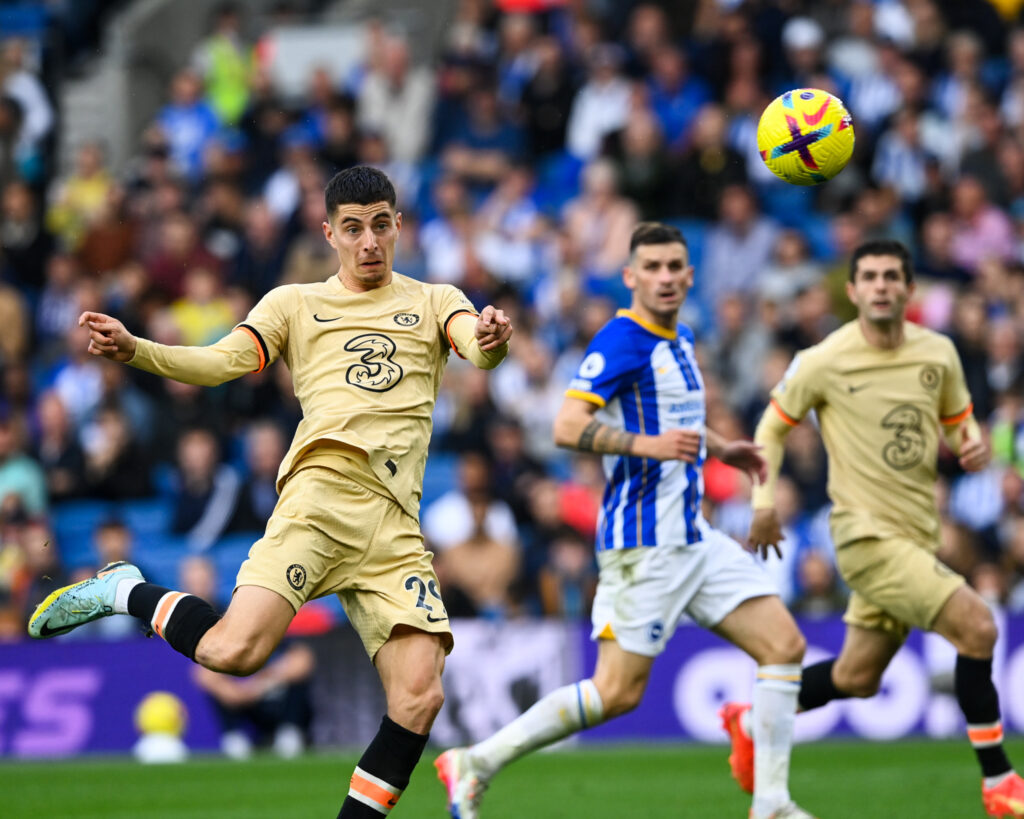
x=317, y=318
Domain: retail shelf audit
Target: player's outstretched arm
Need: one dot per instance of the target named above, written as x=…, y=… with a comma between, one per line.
x=576, y=428
x=765, y=530
x=482, y=339
x=234, y=355
x=108, y=337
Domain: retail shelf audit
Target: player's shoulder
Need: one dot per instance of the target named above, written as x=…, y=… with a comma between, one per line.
x=918, y=334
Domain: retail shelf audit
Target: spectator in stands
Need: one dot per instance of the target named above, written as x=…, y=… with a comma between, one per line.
x=568, y=580
x=514, y=469
x=645, y=168
x=450, y=519
x=483, y=566
x=676, y=94
x=203, y=314
x=207, y=491
x=188, y=123
x=11, y=117
x=510, y=229
x=260, y=260
x=340, y=145
x=309, y=257
x=57, y=449
x=109, y=240
x=180, y=250
x=482, y=150
x=936, y=262
x=24, y=86
x=738, y=247
x=602, y=106
x=599, y=222
x=265, y=446
x=76, y=377
x=297, y=173
x=708, y=166
x=14, y=343
x=224, y=61
x=271, y=706
x=819, y=590
x=396, y=99
x=446, y=238
x=116, y=465
x=21, y=477
x=547, y=100
x=79, y=199
x=25, y=243
x=980, y=229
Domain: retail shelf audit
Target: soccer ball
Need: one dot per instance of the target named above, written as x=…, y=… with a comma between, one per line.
x=805, y=136
x=160, y=712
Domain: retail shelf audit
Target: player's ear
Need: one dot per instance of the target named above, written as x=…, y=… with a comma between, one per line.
x=628, y=278
x=850, y=291
x=329, y=234
x=398, y=221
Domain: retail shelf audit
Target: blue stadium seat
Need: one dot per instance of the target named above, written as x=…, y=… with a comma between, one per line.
x=74, y=523
x=789, y=204
x=227, y=555
x=147, y=516
x=558, y=180
x=439, y=476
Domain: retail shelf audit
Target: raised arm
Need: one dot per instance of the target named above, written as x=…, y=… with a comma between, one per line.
x=482, y=339
x=234, y=355
x=577, y=428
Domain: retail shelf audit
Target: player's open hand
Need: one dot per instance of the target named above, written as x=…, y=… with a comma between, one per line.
x=493, y=328
x=974, y=452
x=108, y=337
x=746, y=457
x=765, y=532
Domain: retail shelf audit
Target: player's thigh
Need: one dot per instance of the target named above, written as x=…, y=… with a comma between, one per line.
x=394, y=586
x=895, y=578
x=967, y=622
x=247, y=634
x=764, y=629
x=319, y=531
x=410, y=663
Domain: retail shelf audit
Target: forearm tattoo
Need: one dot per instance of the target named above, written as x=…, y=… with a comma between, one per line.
x=596, y=437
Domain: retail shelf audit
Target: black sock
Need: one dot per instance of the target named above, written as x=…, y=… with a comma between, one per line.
x=980, y=703
x=383, y=772
x=181, y=619
x=816, y=686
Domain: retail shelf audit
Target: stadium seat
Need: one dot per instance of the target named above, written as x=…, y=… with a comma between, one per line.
x=74, y=523
x=147, y=516
x=439, y=476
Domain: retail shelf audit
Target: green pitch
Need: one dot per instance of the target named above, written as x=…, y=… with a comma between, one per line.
x=834, y=780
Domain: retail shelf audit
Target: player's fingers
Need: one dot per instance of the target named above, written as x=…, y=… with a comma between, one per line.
x=500, y=317
x=487, y=315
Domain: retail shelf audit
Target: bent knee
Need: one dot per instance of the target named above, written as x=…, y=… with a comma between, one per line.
x=979, y=637
x=856, y=683
x=621, y=700
x=236, y=658
x=788, y=648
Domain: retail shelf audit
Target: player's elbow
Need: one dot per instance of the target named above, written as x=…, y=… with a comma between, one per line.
x=564, y=433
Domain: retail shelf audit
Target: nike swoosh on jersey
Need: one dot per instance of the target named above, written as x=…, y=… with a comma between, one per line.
x=857, y=388
x=317, y=318
x=435, y=619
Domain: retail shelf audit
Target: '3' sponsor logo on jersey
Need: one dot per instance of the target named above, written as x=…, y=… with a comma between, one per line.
x=377, y=371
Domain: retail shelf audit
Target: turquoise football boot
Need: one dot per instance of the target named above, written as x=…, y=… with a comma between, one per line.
x=79, y=603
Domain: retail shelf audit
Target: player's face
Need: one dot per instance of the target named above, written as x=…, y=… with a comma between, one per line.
x=880, y=289
x=660, y=276
x=364, y=238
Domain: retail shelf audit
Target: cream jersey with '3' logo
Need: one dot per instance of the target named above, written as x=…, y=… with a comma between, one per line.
x=366, y=368
x=879, y=412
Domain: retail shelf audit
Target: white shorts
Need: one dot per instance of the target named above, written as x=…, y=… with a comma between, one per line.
x=642, y=593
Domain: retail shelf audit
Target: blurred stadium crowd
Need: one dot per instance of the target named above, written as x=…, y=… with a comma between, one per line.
x=524, y=152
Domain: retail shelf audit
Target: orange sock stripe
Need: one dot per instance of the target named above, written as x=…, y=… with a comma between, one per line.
x=382, y=797
x=784, y=677
x=163, y=611
x=989, y=735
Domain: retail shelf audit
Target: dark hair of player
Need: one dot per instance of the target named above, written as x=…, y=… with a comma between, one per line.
x=360, y=185
x=883, y=247
x=655, y=233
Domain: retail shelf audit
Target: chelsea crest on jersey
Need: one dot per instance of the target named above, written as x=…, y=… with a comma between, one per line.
x=645, y=380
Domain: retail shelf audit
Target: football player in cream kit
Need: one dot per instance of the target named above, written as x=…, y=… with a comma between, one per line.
x=366, y=350
x=638, y=399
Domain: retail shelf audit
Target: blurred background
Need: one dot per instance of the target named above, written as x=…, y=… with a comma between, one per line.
x=164, y=162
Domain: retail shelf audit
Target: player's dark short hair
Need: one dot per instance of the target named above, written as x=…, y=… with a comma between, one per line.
x=361, y=185
x=655, y=233
x=883, y=247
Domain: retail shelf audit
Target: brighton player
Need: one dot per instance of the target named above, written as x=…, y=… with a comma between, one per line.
x=638, y=399
x=366, y=350
x=882, y=389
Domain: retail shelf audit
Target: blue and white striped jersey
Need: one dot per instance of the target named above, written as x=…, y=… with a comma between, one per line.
x=645, y=380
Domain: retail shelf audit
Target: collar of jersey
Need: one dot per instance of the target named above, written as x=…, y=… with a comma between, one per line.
x=651, y=328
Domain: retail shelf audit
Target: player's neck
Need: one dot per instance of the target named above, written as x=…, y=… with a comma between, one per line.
x=356, y=285
x=887, y=335
x=667, y=321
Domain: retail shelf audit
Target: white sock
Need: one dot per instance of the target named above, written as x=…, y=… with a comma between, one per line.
x=561, y=713
x=124, y=588
x=773, y=714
